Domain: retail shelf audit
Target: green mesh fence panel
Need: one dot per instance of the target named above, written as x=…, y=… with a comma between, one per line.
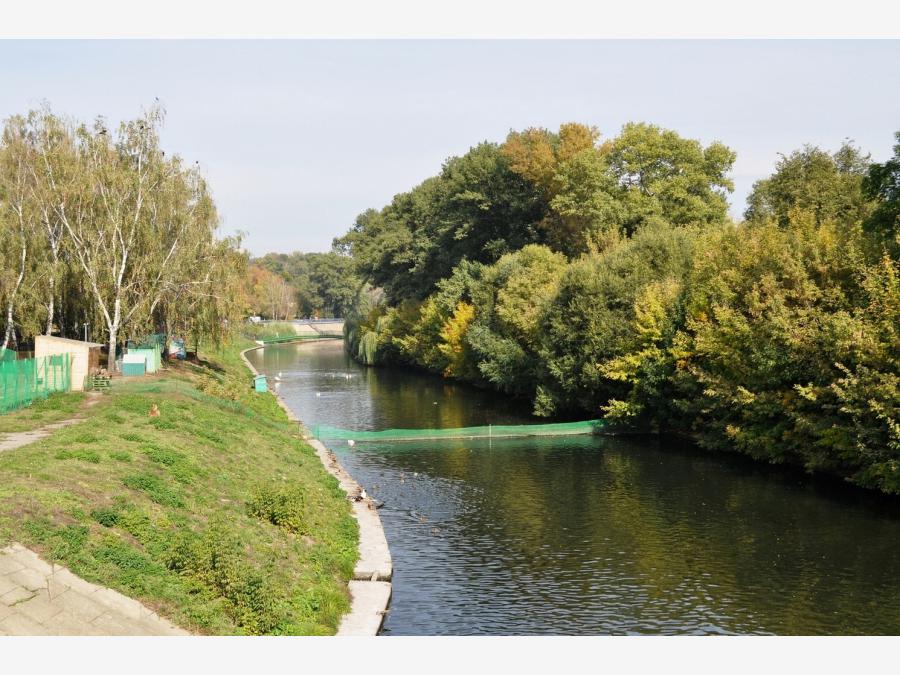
x=26, y=380
x=328, y=433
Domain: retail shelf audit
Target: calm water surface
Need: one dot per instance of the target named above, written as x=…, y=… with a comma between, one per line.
x=582, y=535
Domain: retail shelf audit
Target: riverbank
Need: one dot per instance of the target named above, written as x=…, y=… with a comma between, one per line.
x=370, y=587
x=215, y=514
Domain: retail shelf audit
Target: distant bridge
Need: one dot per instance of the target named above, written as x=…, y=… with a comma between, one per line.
x=306, y=329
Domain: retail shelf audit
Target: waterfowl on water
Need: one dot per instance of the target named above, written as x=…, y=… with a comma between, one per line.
x=351, y=442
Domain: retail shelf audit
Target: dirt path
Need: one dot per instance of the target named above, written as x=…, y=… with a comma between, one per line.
x=37, y=598
x=17, y=439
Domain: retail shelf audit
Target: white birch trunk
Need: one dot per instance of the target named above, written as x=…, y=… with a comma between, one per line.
x=10, y=328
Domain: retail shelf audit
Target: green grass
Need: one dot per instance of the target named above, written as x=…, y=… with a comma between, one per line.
x=54, y=408
x=216, y=514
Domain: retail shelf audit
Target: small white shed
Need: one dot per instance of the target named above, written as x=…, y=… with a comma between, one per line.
x=85, y=355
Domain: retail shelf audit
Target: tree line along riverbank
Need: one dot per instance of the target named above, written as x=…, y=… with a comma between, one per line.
x=215, y=513
x=605, y=277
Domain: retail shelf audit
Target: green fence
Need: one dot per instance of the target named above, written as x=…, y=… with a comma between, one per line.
x=25, y=380
x=324, y=432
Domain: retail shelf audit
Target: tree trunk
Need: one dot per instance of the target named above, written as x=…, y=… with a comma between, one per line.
x=12, y=297
x=51, y=308
x=114, y=326
x=9, y=325
x=111, y=361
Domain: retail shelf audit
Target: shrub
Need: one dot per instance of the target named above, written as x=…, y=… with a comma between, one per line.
x=215, y=558
x=281, y=505
x=105, y=516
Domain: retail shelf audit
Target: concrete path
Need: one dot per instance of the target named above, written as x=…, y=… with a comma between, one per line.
x=17, y=439
x=37, y=598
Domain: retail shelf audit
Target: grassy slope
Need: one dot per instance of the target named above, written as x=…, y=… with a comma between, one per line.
x=44, y=411
x=216, y=513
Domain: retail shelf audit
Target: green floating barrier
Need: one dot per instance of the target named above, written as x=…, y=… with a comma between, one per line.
x=329, y=433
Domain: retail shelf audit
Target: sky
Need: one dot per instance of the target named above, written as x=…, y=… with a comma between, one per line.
x=296, y=138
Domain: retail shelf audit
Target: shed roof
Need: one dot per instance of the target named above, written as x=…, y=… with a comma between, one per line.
x=68, y=341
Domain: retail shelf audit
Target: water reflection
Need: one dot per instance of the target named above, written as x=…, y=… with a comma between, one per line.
x=580, y=535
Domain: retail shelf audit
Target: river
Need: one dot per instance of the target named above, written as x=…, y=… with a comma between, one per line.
x=592, y=535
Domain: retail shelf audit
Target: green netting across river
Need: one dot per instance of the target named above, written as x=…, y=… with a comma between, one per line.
x=328, y=433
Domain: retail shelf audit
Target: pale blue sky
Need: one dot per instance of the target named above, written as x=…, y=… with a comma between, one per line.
x=297, y=138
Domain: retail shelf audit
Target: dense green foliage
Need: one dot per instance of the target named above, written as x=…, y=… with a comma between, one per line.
x=559, y=189
x=605, y=278
x=322, y=284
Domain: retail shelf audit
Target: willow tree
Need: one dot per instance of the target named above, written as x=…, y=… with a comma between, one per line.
x=207, y=304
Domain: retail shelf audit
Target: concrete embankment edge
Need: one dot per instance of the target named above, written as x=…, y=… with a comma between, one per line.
x=370, y=588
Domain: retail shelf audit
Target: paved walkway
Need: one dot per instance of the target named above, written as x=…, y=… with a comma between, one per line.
x=17, y=439
x=37, y=598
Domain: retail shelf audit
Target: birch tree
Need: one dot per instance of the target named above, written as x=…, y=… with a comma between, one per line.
x=138, y=217
x=101, y=226
x=51, y=169
x=18, y=218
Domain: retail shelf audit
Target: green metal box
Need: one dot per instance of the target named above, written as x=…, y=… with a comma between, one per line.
x=260, y=384
x=134, y=369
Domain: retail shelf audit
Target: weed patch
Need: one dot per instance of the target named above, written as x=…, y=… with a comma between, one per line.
x=83, y=454
x=61, y=542
x=155, y=488
x=123, y=556
x=162, y=423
